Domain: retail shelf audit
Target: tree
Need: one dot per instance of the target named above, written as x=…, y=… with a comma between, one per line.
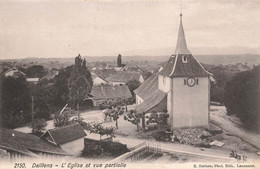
x=36, y=71
x=60, y=93
x=65, y=119
x=15, y=102
x=42, y=94
x=62, y=120
x=242, y=95
x=80, y=82
x=147, y=74
x=132, y=85
x=159, y=118
x=115, y=113
x=98, y=128
x=114, y=108
x=134, y=118
x=38, y=125
x=119, y=60
x=221, y=75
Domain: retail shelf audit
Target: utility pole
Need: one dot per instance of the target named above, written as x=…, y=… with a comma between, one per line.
x=32, y=115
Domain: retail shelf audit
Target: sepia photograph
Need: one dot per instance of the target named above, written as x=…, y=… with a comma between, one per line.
x=130, y=84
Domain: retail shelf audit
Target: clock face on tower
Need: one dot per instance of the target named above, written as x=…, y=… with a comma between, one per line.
x=191, y=81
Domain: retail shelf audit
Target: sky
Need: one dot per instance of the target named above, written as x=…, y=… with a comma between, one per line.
x=99, y=28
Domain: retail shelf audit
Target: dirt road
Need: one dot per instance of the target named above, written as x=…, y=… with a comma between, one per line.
x=230, y=124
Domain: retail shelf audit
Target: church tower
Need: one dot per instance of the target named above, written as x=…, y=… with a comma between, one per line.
x=187, y=85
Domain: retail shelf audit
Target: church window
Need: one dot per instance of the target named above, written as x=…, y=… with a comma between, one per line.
x=163, y=80
x=184, y=59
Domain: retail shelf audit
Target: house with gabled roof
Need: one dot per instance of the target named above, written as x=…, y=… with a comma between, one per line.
x=181, y=87
x=104, y=73
x=104, y=92
x=50, y=75
x=15, y=145
x=13, y=72
x=70, y=138
x=97, y=80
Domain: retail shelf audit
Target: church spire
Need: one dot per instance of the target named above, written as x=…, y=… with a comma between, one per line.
x=181, y=47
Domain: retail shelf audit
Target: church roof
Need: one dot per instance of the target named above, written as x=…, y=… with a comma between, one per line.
x=150, y=93
x=181, y=47
x=147, y=87
x=182, y=63
x=151, y=101
x=168, y=67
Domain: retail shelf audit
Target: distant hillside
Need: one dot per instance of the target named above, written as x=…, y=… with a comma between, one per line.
x=250, y=59
x=229, y=59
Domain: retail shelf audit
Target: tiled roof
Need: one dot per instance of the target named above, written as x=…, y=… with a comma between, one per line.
x=168, y=67
x=94, y=75
x=124, y=76
x=15, y=72
x=62, y=135
x=147, y=87
x=153, y=100
x=51, y=75
x=150, y=93
x=106, y=73
x=23, y=143
x=191, y=68
x=110, y=91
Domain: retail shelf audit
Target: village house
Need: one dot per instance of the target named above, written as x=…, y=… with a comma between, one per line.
x=50, y=75
x=14, y=72
x=70, y=138
x=122, y=77
x=105, y=73
x=97, y=80
x=121, y=68
x=110, y=66
x=181, y=88
x=93, y=69
x=32, y=80
x=105, y=92
x=15, y=145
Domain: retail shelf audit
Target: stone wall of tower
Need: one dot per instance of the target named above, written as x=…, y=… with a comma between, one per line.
x=190, y=104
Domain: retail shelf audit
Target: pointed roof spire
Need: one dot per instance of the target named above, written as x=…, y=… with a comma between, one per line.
x=181, y=47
